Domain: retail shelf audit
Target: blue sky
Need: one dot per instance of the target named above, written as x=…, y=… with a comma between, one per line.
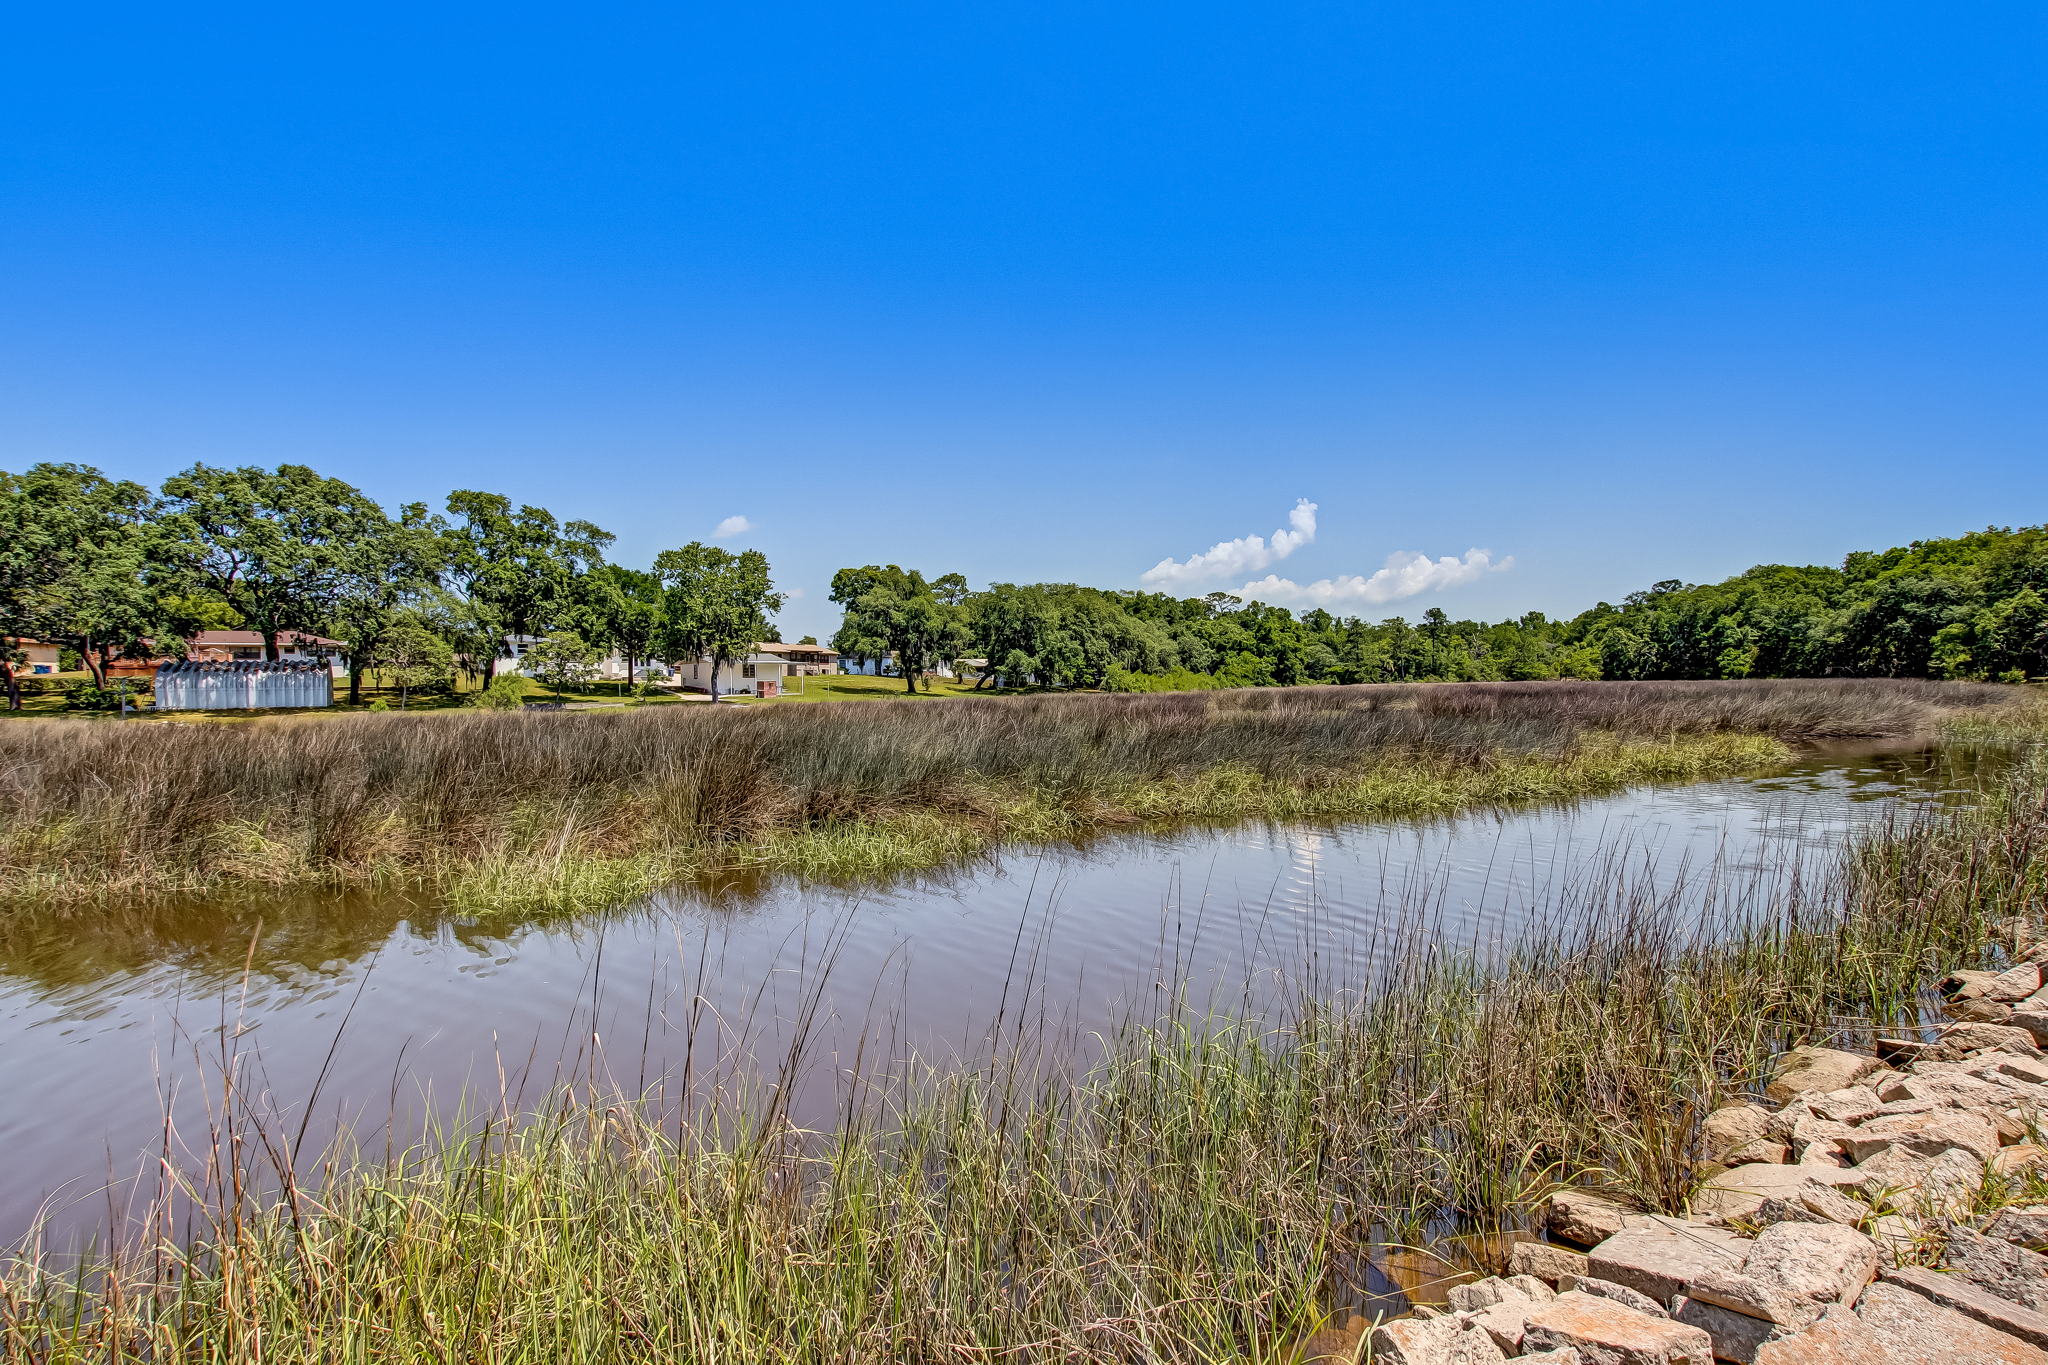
x=1620, y=292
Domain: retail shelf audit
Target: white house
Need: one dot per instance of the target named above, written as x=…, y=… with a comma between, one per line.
x=37, y=657
x=771, y=669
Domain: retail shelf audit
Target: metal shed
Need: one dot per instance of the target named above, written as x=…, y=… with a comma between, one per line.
x=199, y=685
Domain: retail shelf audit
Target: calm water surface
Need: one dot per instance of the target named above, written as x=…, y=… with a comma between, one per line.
x=109, y=1023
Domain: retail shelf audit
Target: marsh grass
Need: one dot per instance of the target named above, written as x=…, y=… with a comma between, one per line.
x=1207, y=1191
x=575, y=809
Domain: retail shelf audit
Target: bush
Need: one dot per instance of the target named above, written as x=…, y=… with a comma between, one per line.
x=507, y=692
x=86, y=696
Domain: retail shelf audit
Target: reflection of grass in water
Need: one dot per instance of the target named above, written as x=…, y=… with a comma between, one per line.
x=1192, y=1197
x=575, y=808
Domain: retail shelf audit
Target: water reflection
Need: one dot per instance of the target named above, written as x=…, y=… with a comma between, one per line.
x=107, y=1018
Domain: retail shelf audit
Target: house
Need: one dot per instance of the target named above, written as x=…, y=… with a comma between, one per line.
x=769, y=670
x=885, y=667
x=39, y=657
x=246, y=646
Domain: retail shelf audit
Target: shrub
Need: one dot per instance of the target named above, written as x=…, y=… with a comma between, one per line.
x=87, y=696
x=507, y=692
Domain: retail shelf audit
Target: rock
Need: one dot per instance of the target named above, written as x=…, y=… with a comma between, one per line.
x=1972, y=1302
x=1960, y=1040
x=1942, y=1187
x=1505, y=1321
x=1977, y=1011
x=2019, y=1159
x=1900, y=1051
x=1892, y=1326
x=1470, y=1298
x=1730, y=1126
x=1852, y=1105
x=2015, y=984
x=2005, y=1064
x=1738, y=1193
x=1927, y=1135
x=2033, y=1018
x=1605, y=1333
x=1760, y=1150
x=1586, y=1218
x=1434, y=1341
x=1812, y=1202
x=1620, y=1293
x=1736, y=1336
x=1661, y=1263
x=1992, y=1263
x=1812, y=1129
x=1563, y=1355
x=1939, y=1087
x=2028, y=1226
x=1545, y=1261
x=1792, y=1272
x=1966, y=985
x=1806, y=1070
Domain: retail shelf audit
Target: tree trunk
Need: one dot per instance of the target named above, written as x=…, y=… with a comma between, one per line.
x=270, y=646
x=714, y=677
x=629, y=672
x=355, y=681
x=490, y=668
x=909, y=674
x=7, y=676
x=88, y=656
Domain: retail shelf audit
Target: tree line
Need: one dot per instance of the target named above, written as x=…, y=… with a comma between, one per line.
x=109, y=569
x=1972, y=606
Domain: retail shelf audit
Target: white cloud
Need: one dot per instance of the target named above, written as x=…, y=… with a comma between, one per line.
x=793, y=593
x=1229, y=558
x=731, y=526
x=1405, y=574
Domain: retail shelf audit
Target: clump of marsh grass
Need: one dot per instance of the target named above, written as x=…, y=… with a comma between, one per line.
x=1203, y=1192
x=573, y=808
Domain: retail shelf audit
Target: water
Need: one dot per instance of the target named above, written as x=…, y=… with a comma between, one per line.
x=373, y=1010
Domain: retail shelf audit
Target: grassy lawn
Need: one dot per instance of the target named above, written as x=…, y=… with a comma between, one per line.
x=856, y=687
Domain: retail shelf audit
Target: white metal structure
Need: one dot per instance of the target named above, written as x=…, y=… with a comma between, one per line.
x=198, y=685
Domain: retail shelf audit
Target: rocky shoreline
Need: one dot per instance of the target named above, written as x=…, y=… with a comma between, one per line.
x=1878, y=1208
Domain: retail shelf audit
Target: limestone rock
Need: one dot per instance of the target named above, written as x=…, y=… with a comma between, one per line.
x=1812, y=1202
x=2006, y=1065
x=1545, y=1260
x=1620, y=1293
x=1893, y=1326
x=2027, y=1225
x=2033, y=1018
x=1978, y=1011
x=1505, y=1322
x=1605, y=1332
x=1434, y=1341
x=2016, y=984
x=2019, y=1159
x=1992, y=1263
x=1661, y=1263
x=1851, y=1105
x=1563, y=1355
x=1761, y=1150
x=1732, y=1125
x=1941, y=1187
x=1736, y=1336
x=1972, y=1302
x=1586, y=1218
x=1966, y=985
x=1927, y=1135
x=1960, y=1040
x=1807, y=1070
x=1738, y=1193
x=1792, y=1272
x=1470, y=1298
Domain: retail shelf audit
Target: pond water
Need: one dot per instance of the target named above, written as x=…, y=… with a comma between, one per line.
x=368, y=1010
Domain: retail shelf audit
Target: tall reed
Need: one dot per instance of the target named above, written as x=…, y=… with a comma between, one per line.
x=578, y=808
x=1204, y=1193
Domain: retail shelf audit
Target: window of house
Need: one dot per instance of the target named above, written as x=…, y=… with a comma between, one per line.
x=746, y=670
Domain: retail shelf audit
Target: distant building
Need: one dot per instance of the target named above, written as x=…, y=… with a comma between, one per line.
x=770, y=670
x=244, y=646
x=41, y=658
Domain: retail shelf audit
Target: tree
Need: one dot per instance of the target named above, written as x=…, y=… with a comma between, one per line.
x=410, y=653
x=625, y=607
x=562, y=659
x=283, y=547
x=399, y=569
x=520, y=569
x=920, y=622
x=716, y=603
x=78, y=556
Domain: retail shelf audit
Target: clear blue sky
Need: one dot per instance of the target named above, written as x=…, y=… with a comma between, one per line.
x=1058, y=291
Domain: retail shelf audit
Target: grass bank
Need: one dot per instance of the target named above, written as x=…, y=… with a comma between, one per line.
x=572, y=809
x=1205, y=1193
